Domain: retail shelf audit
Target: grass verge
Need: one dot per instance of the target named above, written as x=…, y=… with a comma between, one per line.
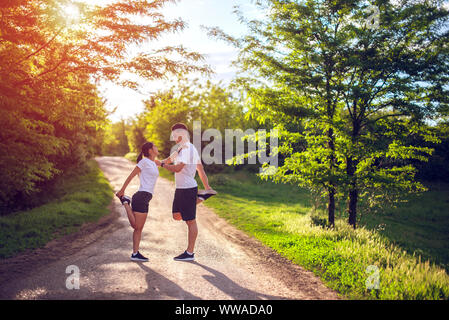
x=347, y=260
x=84, y=196
x=420, y=225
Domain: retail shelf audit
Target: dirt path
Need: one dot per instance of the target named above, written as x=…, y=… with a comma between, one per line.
x=229, y=264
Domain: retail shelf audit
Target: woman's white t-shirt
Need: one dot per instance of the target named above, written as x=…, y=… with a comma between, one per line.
x=148, y=175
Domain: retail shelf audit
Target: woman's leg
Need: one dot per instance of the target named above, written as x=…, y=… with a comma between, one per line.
x=140, y=222
x=131, y=216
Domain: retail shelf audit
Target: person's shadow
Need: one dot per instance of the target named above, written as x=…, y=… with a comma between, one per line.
x=159, y=287
x=232, y=289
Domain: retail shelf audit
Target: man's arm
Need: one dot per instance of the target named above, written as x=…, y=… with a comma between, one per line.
x=176, y=167
x=171, y=158
x=203, y=176
x=173, y=167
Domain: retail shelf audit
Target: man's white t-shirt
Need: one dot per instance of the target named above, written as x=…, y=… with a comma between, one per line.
x=185, y=178
x=148, y=175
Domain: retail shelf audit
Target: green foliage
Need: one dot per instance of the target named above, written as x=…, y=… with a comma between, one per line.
x=136, y=134
x=281, y=217
x=436, y=169
x=115, y=141
x=83, y=196
x=41, y=138
x=186, y=102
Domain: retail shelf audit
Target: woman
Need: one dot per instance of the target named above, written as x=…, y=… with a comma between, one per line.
x=137, y=208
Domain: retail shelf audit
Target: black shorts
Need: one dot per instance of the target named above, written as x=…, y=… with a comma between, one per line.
x=185, y=203
x=140, y=201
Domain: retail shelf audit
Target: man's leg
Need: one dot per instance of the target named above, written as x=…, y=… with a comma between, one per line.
x=175, y=207
x=193, y=233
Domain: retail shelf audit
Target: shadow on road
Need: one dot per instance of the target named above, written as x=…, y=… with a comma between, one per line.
x=232, y=289
x=159, y=287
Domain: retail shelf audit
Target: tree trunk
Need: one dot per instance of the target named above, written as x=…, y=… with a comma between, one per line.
x=351, y=167
x=353, y=191
x=352, y=206
x=331, y=188
x=331, y=206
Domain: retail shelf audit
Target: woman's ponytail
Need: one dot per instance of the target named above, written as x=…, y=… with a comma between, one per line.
x=139, y=157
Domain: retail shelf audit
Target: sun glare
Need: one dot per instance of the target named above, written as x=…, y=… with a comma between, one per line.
x=71, y=12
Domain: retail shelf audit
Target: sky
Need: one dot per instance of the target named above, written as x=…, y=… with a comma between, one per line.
x=218, y=54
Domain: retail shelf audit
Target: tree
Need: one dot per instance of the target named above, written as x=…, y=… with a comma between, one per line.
x=115, y=141
x=357, y=92
x=136, y=134
x=398, y=78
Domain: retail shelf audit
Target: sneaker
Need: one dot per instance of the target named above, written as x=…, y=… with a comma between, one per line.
x=185, y=257
x=138, y=257
x=125, y=199
x=206, y=194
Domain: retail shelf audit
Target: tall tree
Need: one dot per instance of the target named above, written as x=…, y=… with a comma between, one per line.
x=398, y=76
x=359, y=89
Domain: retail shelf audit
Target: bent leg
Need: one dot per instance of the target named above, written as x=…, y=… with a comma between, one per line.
x=177, y=216
x=131, y=216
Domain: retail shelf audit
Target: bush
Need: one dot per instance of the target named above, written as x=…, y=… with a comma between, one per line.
x=82, y=198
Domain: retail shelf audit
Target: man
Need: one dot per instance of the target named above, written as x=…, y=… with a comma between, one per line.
x=184, y=163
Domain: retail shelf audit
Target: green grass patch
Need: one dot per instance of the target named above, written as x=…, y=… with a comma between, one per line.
x=420, y=225
x=164, y=173
x=280, y=216
x=84, y=195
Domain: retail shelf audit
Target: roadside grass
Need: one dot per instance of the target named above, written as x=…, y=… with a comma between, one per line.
x=420, y=225
x=280, y=216
x=84, y=195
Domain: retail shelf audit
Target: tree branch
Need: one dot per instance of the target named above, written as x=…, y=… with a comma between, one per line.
x=42, y=47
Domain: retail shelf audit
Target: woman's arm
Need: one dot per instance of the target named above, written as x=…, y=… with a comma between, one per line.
x=135, y=172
